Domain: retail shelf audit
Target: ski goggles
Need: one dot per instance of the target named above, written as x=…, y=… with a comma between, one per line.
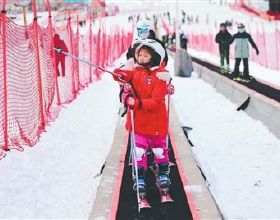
x=142, y=30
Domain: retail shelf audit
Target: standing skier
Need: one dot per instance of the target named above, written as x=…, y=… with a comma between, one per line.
x=242, y=38
x=148, y=82
x=60, y=57
x=224, y=39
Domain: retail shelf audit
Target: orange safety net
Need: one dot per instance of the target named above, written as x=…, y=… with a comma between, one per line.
x=35, y=81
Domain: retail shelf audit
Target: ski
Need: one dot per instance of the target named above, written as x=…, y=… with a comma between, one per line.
x=239, y=79
x=143, y=202
x=165, y=196
x=244, y=80
x=222, y=70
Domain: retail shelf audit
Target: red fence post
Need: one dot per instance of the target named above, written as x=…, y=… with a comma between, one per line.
x=103, y=45
x=98, y=59
x=109, y=47
x=5, y=104
x=77, y=49
x=40, y=91
x=90, y=48
x=72, y=50
x=53, y=54
x=277, y=46
x=265, y=50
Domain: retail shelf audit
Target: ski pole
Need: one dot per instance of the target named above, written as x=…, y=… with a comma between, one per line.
x=87, y=62
x=168, y=110
x=134, y=157
x=168, y=118
x=130, y=162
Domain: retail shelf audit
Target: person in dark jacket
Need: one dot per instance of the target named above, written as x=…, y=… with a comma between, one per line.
x=183, y=41
x=131, y=50
x=224, y=39
x=242, y=38
x=151, y=35
x=60, y=57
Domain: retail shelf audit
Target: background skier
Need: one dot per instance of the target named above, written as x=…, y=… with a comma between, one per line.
x=224, y=39
x=242, y=38
x=60, y=57
x=144, y=29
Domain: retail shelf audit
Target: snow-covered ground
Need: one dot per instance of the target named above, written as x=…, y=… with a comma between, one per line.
x=238, y=155
x=56, y=177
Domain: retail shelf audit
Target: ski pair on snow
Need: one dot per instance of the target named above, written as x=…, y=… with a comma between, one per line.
x=141, y=194
x=244, y=80
x=164, y=198
x=161, y=173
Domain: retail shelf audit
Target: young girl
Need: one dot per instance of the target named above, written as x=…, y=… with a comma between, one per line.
x=150, y=115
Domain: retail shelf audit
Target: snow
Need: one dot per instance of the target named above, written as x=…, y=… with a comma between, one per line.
x=238, y=155
x=56, y=177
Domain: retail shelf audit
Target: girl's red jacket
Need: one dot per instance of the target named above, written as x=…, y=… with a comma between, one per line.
x=150, y=115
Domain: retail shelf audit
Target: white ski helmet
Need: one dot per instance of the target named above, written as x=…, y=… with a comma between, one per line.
x=241, y=28
x=143, y=26
x=159, y=52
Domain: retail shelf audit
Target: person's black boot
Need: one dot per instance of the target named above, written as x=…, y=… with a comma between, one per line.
x=141, y=181
x=163, y=180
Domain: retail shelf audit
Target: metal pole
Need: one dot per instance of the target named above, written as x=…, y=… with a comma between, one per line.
x=134, y=157
x=177, y=26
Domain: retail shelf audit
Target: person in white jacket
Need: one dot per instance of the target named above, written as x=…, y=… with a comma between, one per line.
x=242, y=39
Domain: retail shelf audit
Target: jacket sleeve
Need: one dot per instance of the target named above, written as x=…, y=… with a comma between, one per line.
x=157, y=98
x=64, y=47
x=166, y=55
x=252, y=42
x=129, y=53
x=126, y=75
x=230, y=39
x=218, y=38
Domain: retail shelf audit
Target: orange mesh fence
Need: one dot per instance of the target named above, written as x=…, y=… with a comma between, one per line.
x=29, y=95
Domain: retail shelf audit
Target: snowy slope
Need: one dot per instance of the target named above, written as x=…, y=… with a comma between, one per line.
x=238, y=155
x=56, y=178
